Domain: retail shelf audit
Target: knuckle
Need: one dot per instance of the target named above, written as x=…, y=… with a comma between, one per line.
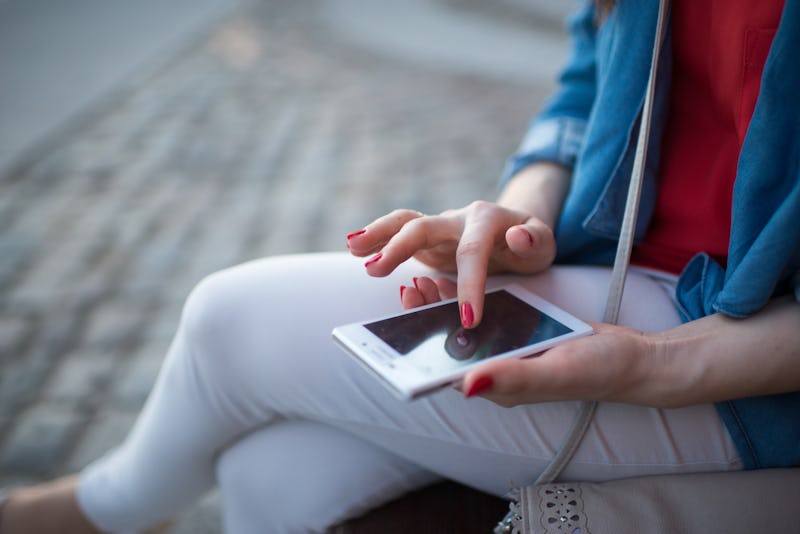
x=488, y=214
x=469, y=248
x=418, y=226
x=399, y=213
x=481, y=207
x=403, y=214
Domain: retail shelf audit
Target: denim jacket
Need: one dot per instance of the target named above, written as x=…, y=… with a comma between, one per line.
x=591, y=123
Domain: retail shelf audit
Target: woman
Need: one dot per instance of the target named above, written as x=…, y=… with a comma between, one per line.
x=703, y=376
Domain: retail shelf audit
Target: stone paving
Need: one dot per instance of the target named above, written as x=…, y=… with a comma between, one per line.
x=266, y=136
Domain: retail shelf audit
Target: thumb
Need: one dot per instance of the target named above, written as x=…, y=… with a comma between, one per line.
x=531, y=246
x=494, y=376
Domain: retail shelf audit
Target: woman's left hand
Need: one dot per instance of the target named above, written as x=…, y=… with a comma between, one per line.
x=711, y=359
x=609, y=365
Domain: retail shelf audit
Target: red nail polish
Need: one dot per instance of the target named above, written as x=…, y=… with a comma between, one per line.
x=481, y=384
x=467, y=315
x=373, y=259
x=530, y=237
x=353, y=234
x=416, y=283
x=402, y=290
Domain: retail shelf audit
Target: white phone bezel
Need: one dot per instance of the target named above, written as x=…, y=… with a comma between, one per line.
x=406, y=381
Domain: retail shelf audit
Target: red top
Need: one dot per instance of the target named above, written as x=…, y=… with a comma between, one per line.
x=719, y=49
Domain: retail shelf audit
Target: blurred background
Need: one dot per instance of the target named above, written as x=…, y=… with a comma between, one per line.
x=145, y=144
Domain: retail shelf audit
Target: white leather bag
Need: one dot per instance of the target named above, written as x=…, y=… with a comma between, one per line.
x=741, y=502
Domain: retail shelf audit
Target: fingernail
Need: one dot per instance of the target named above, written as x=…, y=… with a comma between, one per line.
x=353, y=234
x=467, y=315
x=416, y=284
x=481, y=384
x=402, y=290
x=373, y=259
x=530, y=236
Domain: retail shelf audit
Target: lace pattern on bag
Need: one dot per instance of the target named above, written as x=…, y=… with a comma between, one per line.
x=561, y=509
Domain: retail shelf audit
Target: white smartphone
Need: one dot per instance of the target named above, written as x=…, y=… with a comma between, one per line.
x=425, y=349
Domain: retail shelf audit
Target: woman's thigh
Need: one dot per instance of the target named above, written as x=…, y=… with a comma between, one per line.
x=273, y=320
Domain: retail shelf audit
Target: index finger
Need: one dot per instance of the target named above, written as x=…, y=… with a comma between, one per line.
x=484, y=230
x=472, y=260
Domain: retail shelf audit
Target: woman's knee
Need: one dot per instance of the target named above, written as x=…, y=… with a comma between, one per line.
x=206, y=313
x=219, y=323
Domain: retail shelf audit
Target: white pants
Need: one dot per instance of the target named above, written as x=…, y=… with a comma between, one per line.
x=255, y=395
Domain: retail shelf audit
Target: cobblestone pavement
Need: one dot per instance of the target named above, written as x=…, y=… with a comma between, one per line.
x=267, y=136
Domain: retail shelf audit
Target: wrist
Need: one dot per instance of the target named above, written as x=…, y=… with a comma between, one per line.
x=642, y=379
x=675, y=376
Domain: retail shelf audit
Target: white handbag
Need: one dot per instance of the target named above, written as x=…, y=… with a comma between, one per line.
x=741, y=502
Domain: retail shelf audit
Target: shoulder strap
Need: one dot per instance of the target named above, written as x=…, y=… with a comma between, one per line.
x=585, y=411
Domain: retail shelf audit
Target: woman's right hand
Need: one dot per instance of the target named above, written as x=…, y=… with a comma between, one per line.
x=474, y=241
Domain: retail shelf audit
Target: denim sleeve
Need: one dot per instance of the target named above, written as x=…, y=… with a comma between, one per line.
x=556, y=133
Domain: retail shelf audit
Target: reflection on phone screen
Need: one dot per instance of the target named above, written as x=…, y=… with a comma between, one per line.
x=433, y=339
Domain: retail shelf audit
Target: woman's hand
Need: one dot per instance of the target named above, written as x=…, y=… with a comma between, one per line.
x=712, y=359
x=611, y=365
x=473, y=241
x=513, y=235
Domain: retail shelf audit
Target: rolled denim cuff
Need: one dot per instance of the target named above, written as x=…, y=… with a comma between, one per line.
x=557, y=139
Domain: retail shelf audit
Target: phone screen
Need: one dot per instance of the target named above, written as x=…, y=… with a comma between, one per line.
x=433, y=340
